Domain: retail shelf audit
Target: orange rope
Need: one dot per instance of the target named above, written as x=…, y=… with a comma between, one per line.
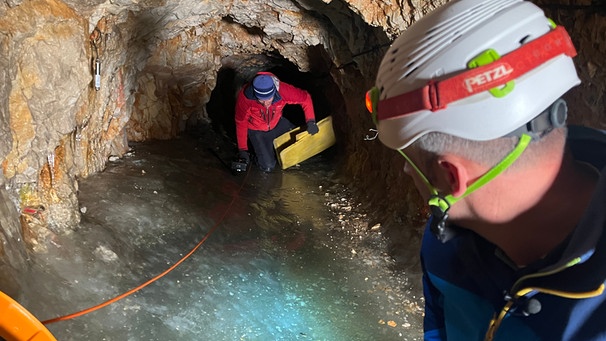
x=119, y=297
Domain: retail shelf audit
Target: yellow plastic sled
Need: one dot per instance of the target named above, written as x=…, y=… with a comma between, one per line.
x=298, y=145
x=18, y=324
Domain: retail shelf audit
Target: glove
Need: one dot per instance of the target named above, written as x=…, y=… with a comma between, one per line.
x=240, y=164
x=244, y=156
x=312, y=127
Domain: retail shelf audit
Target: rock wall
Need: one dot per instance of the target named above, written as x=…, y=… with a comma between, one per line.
x=159, y=64
x=586, y=23
x=44, y=91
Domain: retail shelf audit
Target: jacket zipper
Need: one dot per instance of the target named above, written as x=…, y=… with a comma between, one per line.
x=268, y=119
x=265, y=116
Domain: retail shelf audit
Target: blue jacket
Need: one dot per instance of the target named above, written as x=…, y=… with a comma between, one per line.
x=468, y=285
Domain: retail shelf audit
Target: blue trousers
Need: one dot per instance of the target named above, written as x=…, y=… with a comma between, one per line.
x=263, y=143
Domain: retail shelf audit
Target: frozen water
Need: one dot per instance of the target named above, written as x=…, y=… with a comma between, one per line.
x=279, y=266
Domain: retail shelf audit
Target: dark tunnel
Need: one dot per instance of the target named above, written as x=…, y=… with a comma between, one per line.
x=237, y=70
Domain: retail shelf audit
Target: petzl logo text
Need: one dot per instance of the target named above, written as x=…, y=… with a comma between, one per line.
x=493, y=75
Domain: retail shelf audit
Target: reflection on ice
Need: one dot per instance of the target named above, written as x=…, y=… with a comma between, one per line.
x=278, y=266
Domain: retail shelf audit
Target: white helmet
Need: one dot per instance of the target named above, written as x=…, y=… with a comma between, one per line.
x=476, y=69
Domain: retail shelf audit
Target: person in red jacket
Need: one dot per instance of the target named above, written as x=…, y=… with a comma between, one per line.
x=259, y=117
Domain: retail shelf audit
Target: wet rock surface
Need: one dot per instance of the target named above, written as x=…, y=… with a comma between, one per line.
x=291, y=256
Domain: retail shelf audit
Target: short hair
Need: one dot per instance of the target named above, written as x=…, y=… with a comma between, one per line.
x=489, y=152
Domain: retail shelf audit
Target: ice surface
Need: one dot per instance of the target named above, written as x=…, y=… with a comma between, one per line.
x=279, y=265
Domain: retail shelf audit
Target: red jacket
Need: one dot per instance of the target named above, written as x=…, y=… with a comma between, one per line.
x=250, y=114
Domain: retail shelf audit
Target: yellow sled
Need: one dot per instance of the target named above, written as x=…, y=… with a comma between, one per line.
x=18, y=324
x=298, y=145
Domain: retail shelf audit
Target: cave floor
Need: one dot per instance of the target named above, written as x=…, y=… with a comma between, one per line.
x=289, y=257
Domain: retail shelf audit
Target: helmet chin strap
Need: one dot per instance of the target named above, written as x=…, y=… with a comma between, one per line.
x=440, y=204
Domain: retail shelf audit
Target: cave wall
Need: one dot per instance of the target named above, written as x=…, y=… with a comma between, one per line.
x=40, y=107
x=586, y=23
x=160, y=62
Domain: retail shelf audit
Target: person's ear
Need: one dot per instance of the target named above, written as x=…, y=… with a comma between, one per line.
x=455, y=174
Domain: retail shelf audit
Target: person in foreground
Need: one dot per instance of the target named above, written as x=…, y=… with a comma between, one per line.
x=259, y=117
x=515, y=247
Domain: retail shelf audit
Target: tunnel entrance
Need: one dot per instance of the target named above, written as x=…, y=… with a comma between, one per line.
x=238, y=70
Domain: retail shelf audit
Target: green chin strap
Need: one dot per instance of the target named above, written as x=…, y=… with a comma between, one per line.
x=441, y=204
